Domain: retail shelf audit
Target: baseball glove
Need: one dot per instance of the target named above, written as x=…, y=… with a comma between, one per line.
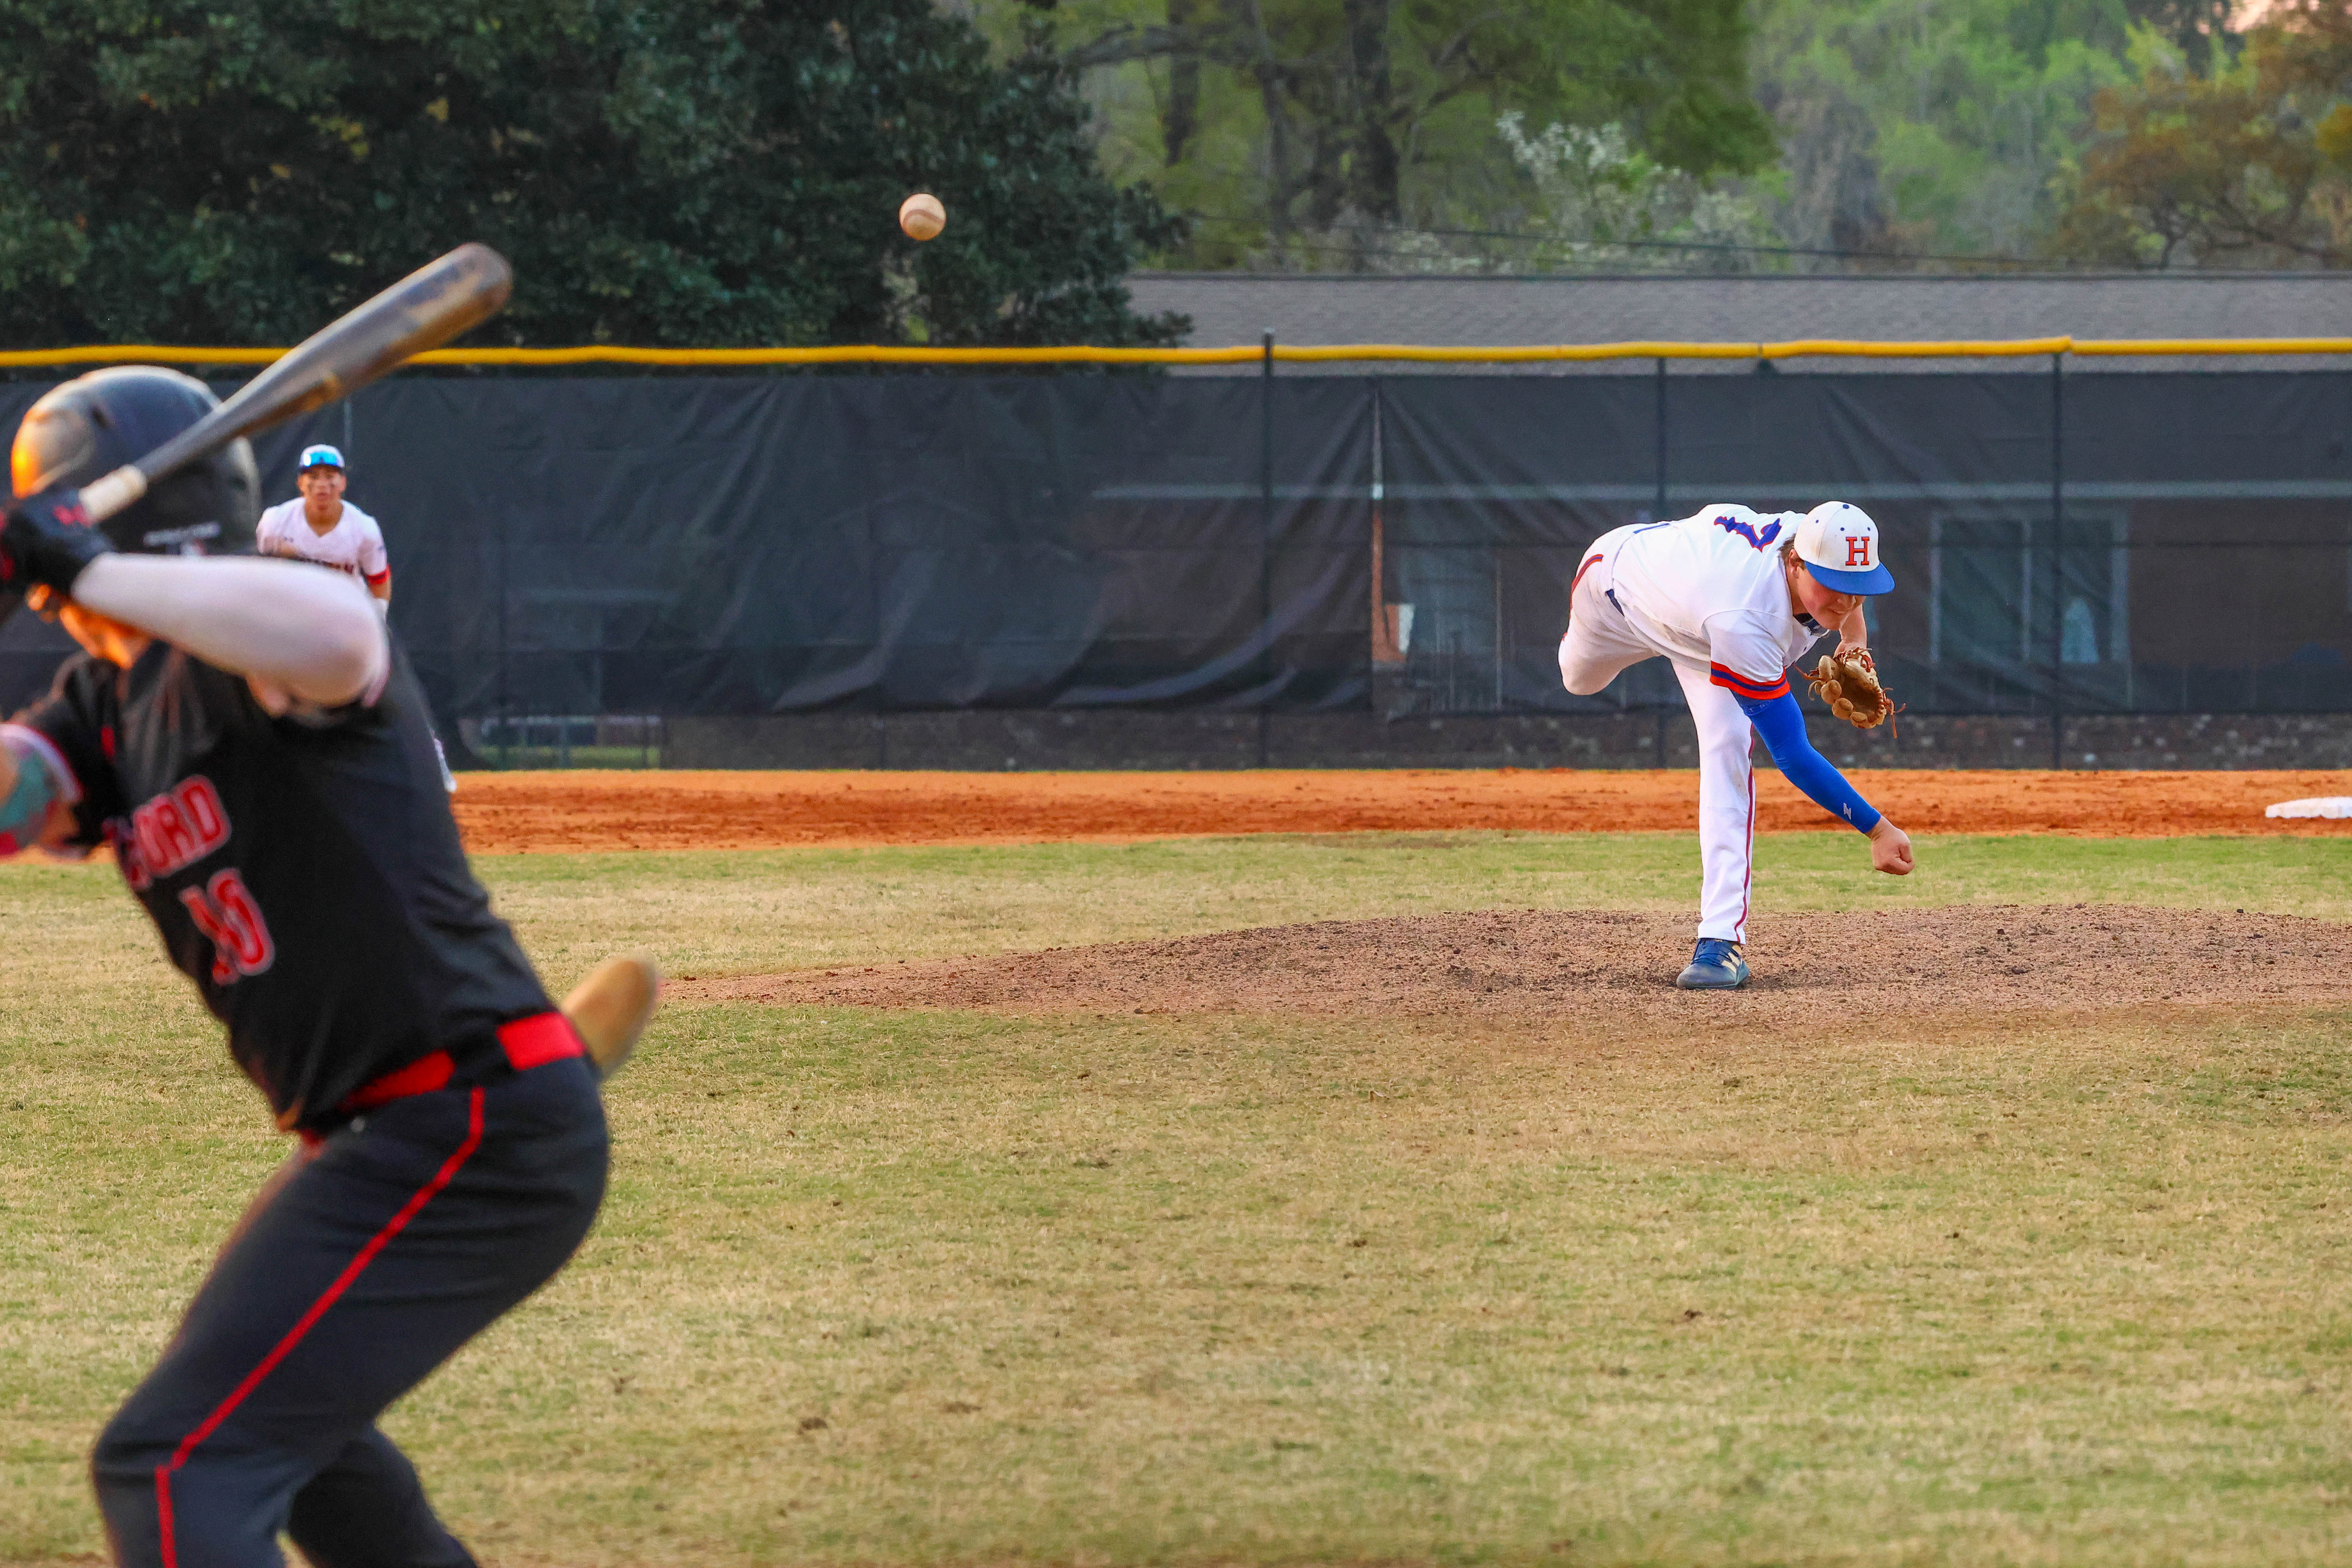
x=1848, y=681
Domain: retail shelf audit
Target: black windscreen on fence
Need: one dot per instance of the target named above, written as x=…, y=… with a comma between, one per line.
x=2197, y=556
x=2099, y=543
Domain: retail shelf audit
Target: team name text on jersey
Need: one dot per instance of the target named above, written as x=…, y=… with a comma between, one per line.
x=169, y=833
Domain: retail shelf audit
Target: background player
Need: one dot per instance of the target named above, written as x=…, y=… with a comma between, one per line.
x=250, y=742
x=321, y=525
x=1731, y=598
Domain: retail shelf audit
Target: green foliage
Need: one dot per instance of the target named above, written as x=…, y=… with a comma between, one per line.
x=1608, y=207
x=1370, y=134
x=701, y=173
x=1930, y=126
x=2206, y=159
x=1295, y=128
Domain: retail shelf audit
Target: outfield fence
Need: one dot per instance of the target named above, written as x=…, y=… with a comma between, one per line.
x=683, y=543
x=1269, y=353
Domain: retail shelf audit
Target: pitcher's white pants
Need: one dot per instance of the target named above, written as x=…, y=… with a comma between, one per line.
x=1600, y=642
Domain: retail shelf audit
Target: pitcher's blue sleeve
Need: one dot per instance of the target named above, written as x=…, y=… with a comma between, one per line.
x=1783, y=724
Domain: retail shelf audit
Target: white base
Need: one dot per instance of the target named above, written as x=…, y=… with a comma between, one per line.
x=2326, y=805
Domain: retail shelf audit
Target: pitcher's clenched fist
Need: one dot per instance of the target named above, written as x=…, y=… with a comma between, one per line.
x=1890, y=849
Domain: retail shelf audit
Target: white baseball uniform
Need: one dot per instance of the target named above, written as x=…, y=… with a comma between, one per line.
x=1707, y=593
x=355, y=544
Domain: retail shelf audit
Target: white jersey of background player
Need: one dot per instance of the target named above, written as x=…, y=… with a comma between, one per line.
x=1731, y=598
x=321, y=525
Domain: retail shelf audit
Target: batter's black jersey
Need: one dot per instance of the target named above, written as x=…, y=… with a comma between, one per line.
x=304, y=871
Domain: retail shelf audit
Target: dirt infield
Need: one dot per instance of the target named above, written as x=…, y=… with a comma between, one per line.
x=1976, y=960
x=524, y=811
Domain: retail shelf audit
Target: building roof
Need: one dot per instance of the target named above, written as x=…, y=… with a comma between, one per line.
x=1463, y=311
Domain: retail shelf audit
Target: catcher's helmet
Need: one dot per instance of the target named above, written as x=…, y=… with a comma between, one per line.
x=94, y=424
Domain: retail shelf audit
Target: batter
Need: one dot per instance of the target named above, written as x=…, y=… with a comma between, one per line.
x=1730, y=598
x=247, y=737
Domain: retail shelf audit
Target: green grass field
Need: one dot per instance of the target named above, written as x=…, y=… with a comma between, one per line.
x=948, y=1288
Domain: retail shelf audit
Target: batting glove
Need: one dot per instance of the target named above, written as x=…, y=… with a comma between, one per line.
x=47, y=539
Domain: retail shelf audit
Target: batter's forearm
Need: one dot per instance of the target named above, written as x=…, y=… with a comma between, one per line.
x=310, y=632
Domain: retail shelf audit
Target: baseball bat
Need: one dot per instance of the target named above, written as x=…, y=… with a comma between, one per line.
x=423, y=311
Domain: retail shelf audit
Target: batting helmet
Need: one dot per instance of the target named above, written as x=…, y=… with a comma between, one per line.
x=94, y=424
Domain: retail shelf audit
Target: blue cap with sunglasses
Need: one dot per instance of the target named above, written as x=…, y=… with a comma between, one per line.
x=320, y=457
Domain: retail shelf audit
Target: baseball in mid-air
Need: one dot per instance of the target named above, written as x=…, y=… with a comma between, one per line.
x=921, y=216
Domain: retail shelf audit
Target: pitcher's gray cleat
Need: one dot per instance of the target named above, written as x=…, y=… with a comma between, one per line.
x=1716, y=965
x=612, y=1007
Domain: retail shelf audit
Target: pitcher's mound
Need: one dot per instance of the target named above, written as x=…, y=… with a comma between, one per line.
x=1811, y=971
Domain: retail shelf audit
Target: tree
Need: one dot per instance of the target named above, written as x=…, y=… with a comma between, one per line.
x=1283, y=123
x=2193, y=25
x=2247, y=162
x=1608, y=207
x=705, y=172
x=1928, y=127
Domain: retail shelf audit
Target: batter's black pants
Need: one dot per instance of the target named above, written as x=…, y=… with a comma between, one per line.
x=403, y=1235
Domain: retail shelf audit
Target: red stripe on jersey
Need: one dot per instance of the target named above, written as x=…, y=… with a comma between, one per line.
x=1747, y=686
x=1589, y=563
x=378, y=579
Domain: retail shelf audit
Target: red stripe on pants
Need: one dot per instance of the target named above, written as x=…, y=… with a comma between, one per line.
x=308, y=1320
x=1747, y=886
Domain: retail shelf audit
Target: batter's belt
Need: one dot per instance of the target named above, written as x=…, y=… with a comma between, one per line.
x=524, y=1044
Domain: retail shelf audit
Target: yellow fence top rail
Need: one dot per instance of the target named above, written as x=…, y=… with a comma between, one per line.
x=2212, y=345
x=877, y=354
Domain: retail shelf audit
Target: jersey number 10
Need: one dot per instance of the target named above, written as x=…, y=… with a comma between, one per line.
x=225, y=912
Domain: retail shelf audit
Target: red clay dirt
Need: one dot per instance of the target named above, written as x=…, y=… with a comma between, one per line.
x=570, y=811
x=1975, y=961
